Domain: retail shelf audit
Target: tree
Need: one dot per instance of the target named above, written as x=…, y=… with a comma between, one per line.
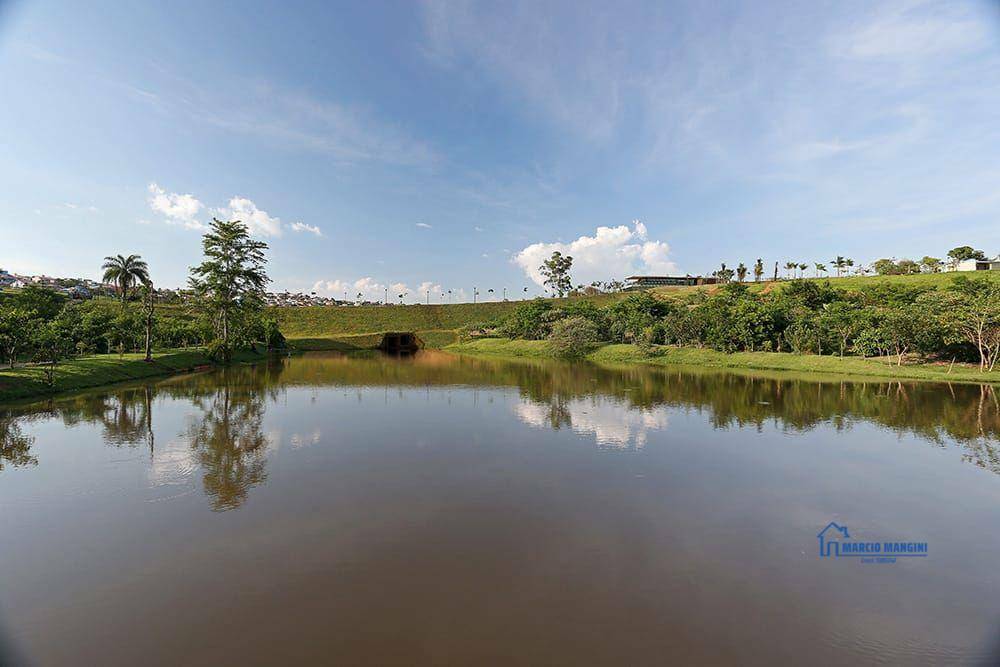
x=885, y=267
x=573, y=337
x=790, y=267
x=40, y=302
x=758, y=270
x=971, y=312
x=839, y=263
x=147, y=308
x=820, y=268
x=931, y=264
x=230, y=281
x=802, y=269
x=962, y=253
x=125, y=273
x=15, y=332
x=723, y=274
x=556, y=271
x=741, y=272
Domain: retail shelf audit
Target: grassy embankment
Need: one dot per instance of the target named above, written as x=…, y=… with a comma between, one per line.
x=617, y=355
x=361, y=327
x=342, y=328
x=103, y=369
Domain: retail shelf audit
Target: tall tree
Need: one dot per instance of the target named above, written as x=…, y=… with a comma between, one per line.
x=790, y=268
x=758, y=270
x=741, y=272
x=147, y=309
x=839, y=263
x=125, y=273
x=962, y=253
x=820, y=268
x=231, y=279
x=556, y=271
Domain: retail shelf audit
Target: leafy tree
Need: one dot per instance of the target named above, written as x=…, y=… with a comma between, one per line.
x=556, y=271
x=844, y=320
x=627, y=318
x=971, y=312
x=529, y=320
x=741, y=272
x=147, y=310
x=51, y=345
x=40, y=302
x=573, y=337
x=962, y=253
x=885, y=267
x=723, y=274
x=931, y=264
x=125, y=273
x=758, y=270
x=230, y=281
x=907, y=266
x=15, y=332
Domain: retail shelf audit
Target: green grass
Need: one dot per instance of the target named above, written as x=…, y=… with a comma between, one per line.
x=936, y=280
x=617, y=355
x=345, y=327
x=98, y=370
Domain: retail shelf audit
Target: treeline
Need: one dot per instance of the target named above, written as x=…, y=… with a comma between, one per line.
x=961, y=323
x=38, y=324
x=227, y=313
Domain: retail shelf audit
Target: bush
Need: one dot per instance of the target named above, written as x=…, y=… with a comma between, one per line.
x=627, y=318
x=574, y=337
x=530, y=320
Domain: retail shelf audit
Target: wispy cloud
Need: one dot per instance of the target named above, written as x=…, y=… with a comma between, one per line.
x=424, y=225
x=302, y=227
x=178, y=209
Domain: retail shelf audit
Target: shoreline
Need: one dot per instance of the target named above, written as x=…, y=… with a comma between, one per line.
x=93, y=371
x=665, y=356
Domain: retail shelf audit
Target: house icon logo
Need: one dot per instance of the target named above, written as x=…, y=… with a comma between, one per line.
x=836, y=542
x=830, y=539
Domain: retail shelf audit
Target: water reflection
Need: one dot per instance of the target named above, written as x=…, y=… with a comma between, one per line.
x=15, y=445
x=224, y=438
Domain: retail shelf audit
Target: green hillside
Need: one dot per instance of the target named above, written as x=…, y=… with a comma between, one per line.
x=330, y=328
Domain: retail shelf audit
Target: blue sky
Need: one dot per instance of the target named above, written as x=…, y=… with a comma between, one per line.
x=450, y=145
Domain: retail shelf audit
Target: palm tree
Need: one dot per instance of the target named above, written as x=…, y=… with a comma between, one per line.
x=758, y=270
x=820, y=268
x=849, y=263
x=125, y=273
x=791, y=266
x=802, y=269
x=741, y=272
x=839, y=262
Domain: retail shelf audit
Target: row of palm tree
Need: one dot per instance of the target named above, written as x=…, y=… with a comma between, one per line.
x=792, y=269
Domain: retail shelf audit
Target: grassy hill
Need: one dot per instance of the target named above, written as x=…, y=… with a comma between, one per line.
x=329, y=328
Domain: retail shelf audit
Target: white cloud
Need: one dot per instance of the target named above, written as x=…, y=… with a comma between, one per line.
x=424, y=225
x=915, y=32
x=303, y=227
x=71, y=205
x=612, y=252
x=478, y=229
x=176, y=208
x=257, y=220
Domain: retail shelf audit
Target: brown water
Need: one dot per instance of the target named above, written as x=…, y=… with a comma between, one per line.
x=446, y=510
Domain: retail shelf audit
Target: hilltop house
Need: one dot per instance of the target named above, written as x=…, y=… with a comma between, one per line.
x=977, y=265
x=645, y=282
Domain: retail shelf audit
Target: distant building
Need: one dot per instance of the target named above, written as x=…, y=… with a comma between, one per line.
x=645, y=282
x=978, y=265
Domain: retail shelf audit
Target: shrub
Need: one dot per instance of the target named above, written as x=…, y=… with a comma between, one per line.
x=529, y=320
x=627, y=318
x=574, y=337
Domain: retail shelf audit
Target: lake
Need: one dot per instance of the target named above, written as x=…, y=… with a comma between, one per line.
x=437, y=509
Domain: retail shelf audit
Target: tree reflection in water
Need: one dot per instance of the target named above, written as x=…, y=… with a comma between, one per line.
x=15, y=446
x=227, y=441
